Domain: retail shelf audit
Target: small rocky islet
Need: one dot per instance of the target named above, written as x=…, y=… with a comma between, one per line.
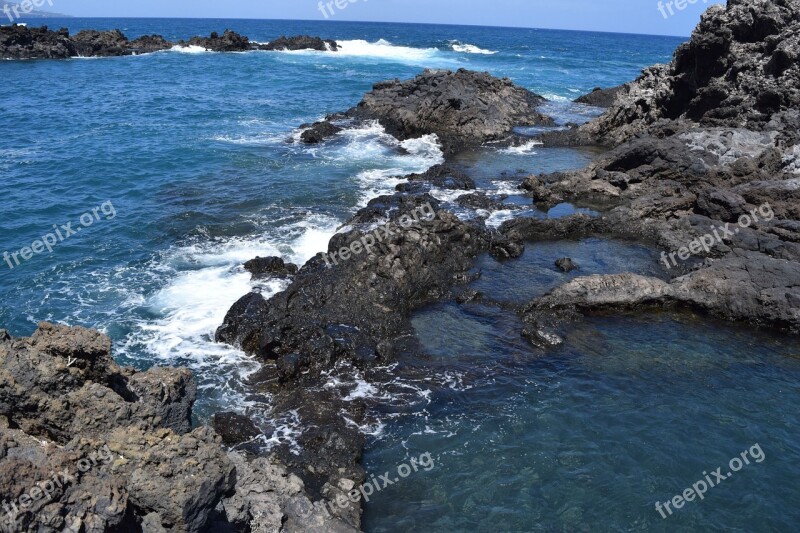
x=700, y=142
x=21, y=42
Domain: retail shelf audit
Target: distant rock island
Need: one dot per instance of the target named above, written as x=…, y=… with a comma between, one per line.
x=10, y=10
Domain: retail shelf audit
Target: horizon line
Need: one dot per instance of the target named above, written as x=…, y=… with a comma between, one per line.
x=61, y=15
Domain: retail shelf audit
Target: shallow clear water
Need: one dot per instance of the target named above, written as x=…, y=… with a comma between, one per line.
x=589, y=436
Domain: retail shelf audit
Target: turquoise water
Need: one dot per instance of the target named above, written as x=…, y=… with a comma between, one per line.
x=191, y=151
x=588, y=437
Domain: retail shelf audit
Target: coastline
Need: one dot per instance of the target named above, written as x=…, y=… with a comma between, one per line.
x=354, y=313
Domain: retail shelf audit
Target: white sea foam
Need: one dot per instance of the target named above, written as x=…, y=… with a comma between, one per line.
x=193, y=49
x=384, y=159
x=380, y=49
x=470, y=49
x=383, y=49
x=497, y=218
x=524, y=149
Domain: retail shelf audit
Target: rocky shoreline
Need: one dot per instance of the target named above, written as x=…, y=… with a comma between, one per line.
x=21, y=42
x=694, y=145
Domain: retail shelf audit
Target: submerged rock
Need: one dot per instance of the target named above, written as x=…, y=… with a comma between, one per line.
x=565, y=264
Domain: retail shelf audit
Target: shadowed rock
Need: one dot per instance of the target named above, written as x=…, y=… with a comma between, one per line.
x=600, y=97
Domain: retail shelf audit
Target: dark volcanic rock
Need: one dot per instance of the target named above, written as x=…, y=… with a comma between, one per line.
x=462, y=107
x=347, y=311
x=479, y=200
x=230, y=41
x=739, y=69
x=92, y=43
x=63, y=399
x=262, y=267
x=150, y=43
x=565, y=264
x=301, y=42
x=600, y=97
x=20, y=42
x=319, y=132
x=444, y=177
x=234, y=428
x=126, y=456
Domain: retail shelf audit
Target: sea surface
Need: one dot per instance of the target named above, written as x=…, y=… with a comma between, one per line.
x=186, y=158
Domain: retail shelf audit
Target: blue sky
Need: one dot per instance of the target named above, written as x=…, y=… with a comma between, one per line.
x=631, y=16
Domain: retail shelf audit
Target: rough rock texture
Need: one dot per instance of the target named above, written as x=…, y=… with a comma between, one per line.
x=601, y=97
x=705, y=148
x=565, y=264
x=93, y=43
x=90, y=446
x=264, y=267
x=63, y=397
x=462, y=107
x=20, y=42
x=229, y=41
x=740, y=69
x=319, y=132
x=149, y=43
x=348, y=312
x=301, y=42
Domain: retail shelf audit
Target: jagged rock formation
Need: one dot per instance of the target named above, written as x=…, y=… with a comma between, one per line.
x=740, y=69
x=301, y=42
x=86, y=445
x=229, y=41
x=462, y=107
x=21, y=42
x=708, y=142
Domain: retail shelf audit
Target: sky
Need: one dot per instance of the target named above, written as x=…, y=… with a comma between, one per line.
x=626, y=16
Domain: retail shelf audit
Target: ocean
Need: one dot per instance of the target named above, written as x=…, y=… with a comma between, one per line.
x=191, y=152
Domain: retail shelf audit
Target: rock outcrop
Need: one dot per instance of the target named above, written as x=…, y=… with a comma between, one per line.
x=463, y=108
x=740, y=69
x=301, y=42
x=704, y=165
x=600, y=97
x=21, y=42
x=229, y=41
x=86, y=445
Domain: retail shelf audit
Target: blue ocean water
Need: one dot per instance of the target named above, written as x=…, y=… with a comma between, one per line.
x=190, y=148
